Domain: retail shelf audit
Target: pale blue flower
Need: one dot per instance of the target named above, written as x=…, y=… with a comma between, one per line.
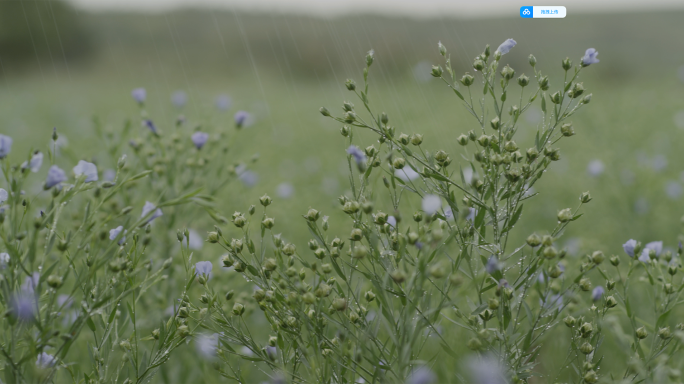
x=45, y=360
x=249, y=178
x=241, y=118
x=150, y=125
x=629, y=247
x=406, y=174
x=150, y=207
x=109, y=175
x=285, y=190
x=272, y=352
x=595, y=168
x=4, y=260
x=492, y=264
x=597, y=293
x=357, y=154
x=391, y=220
x=34, y=163
x=3, y=195
x=31, y=282
x=207, y=345
x=590, y=57
x=421, y=375
x=199, y=139
x=114, y=233
x=87, y=169
x=55, y=176
x=223, y=102
x=203, y=268
x=655, y=246
x=195, y=241
x=139, y=94
x=5, y=146
x=431, y=204
x=485, y=369
x=23, y=306
x=472, y=212
x=506, y=46
x=179, y=99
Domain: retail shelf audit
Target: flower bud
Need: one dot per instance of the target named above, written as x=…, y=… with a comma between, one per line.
x=611, y=302
x=268, y=222
x=213, y=237
x=532, y=154
x=576, y=91
x=511, y=146
x=270, y=264
x=586, y=348
x=585, y=197
x=550, y=252
x=565, y=215
x=493, y=303
x=478, y=64
x=507, y=72
x=289, y=249
x=370, y=57
x=323, y=290
x=344, y=131
x=418, y=217
x=359, y=252
x=597, y=257
x=570, y=321
x=590, y=377
x=523, y=80
x=556, y=97
x=463, y=140
x=566, y=63
x=467, y=80
x=641, y=333
x=398, y=276
x=319, y=253
x=238, y=309
x=54, y=281
x=436, y=71
x=324, y=111
x=585, y=284
x=312, y=215
x=265, y=200
x=533, y=240
x=586, y=329
x=544, y=83
x=567, y=130
x=350, y=84
x=664, y=333
x=532, y=60
x=586, y=99
x=339, y=304
x=399, y=163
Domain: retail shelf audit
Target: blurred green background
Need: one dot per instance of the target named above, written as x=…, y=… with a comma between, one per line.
x=61, y=66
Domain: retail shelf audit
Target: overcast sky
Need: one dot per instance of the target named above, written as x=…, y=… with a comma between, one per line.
x=469, y=8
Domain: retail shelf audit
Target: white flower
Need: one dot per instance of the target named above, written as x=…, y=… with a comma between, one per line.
x=431, y=204
x=87, y=169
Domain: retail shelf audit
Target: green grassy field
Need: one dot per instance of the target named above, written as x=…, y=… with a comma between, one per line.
x=281, y=71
